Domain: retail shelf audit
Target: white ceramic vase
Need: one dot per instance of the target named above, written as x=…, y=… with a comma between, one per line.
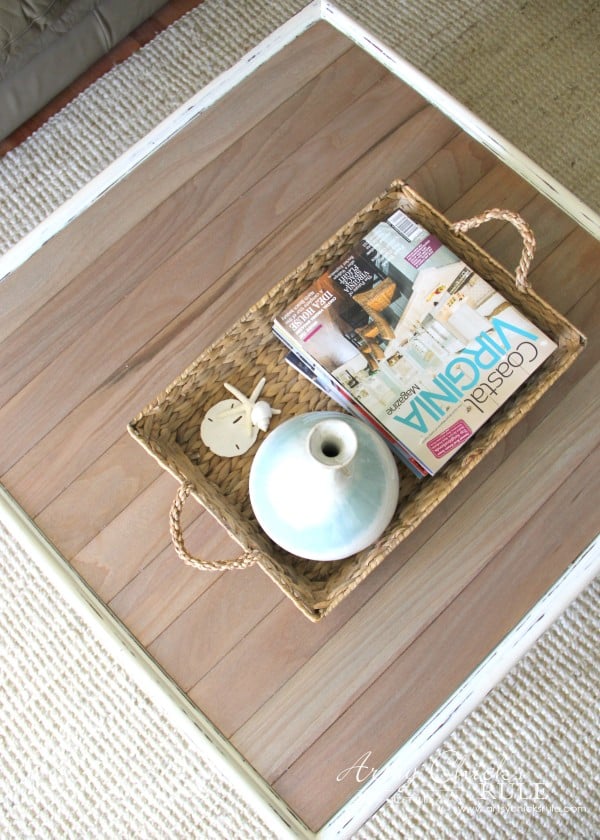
x=323, y=485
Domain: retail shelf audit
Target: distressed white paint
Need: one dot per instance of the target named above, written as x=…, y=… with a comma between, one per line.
x=214, y=746
x=128, y=652
x=386, y=781
x=122, y=645
x=224, y=83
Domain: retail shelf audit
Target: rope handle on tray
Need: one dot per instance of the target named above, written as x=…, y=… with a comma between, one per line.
x=521, y=225
x=242, y=562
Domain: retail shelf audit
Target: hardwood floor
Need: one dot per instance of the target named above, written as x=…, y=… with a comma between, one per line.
x=93, y=327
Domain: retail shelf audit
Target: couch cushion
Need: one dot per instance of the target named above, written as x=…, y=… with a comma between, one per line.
x=45, y=45
x=27, y=27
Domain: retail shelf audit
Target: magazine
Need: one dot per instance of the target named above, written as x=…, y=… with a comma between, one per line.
x=426, y=346
x=335, y=391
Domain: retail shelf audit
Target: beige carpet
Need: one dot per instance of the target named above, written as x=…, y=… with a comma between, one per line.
x=83, y=752
x=529, y=68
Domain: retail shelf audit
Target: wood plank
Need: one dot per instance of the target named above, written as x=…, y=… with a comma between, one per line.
x=184, y=213
x=58, y=516
x=135, y=536
x=138, y=535
x=131, y=606
x=50, y=521
x=500, y=187
x=255, y=692
x=166, y=587
x=232, y=640
x=281, y=730
x=176, y=634
x=212, y=625
x=549, y=224
x=70, y=313
x=166, y=291
x=103, y=491
x=573, y=265
x=89, y=235
x=272, y=652
x=461, y=166
x=171, y=350
x=420, y=680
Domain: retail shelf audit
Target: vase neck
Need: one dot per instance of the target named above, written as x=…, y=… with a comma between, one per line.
x=332, y=443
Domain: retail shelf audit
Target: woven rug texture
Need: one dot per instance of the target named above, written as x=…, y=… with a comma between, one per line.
x=83, y=751
x=529, y=68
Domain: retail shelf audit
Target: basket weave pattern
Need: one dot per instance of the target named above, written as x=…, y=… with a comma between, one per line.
x=169, y=428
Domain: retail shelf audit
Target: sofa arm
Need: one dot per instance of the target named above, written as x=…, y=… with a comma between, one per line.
x=46, y=56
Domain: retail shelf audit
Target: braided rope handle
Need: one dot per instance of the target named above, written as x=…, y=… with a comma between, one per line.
x=247, y=558
x=521, y=225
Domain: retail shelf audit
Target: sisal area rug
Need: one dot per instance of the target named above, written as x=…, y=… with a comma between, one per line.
x=84, y=752
x=529, y=68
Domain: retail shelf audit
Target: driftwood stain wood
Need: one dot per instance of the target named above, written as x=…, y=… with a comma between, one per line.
x=442, y=601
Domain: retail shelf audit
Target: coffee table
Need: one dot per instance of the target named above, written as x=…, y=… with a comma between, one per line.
x=117, y=292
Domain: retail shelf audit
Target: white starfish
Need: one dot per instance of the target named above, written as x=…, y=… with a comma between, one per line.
x=256, y=412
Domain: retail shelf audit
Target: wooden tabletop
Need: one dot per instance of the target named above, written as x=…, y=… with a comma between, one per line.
x=110, y=310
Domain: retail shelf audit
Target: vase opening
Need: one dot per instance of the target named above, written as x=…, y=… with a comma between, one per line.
x=332, y=443
x=330, y=448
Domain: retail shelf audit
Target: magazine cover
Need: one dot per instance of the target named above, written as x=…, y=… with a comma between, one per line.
x=427, y=346
x=333, y=389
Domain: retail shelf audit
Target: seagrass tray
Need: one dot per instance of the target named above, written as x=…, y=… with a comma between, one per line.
x=169, y=428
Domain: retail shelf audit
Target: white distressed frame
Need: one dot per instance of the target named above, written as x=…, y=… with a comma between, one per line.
x=313, y=13
x=120, y=642
x=126, y=650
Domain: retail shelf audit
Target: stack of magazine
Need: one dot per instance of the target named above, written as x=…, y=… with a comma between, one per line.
x=404, y=334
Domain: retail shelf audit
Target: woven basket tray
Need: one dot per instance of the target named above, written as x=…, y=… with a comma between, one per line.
x=169, y=428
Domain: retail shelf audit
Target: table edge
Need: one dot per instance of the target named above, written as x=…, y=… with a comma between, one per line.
x=387, y=779
x=126, y=649
x=315, y=12
x=202, y=733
